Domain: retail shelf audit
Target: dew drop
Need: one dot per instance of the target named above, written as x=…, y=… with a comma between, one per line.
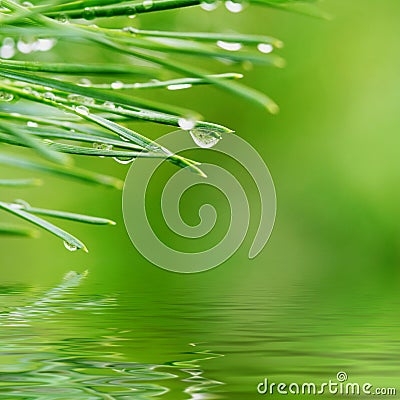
x=27, y=4
x=24, y=47
x=209, y=6
x=179, y=86
x=229, y=45
x=63, y=18
x=82, y=110
x=49, y=96
x=84, y=82
x=70, y=247
x=117, y=85
x=147, y=4
x=7, y=50
x=204, y=138
x=123, y=161
x=186, y=124
x=21, y=203
x=89, y=13
x=5, y=96
x=45, y=44
x=233, y=6
x=32, y=124
x=109, y=104
x=265, y=48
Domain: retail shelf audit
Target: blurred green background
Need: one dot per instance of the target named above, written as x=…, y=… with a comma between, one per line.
x=332, y=152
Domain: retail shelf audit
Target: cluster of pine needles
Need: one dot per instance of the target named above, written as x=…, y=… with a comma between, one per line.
x=64, y=109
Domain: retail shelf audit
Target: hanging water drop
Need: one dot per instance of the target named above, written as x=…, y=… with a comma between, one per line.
x=32, y=124
x=7, y=50
x=233, y=6
x=265, y=48
x=45, y=44
x=124, y=161
x=70, y=246
x=24, y=47
x=204, y=137
x=209, y=6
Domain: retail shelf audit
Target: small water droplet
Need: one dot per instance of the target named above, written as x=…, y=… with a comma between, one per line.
x=25, y=47
x=32, y=124
x=186, y=124
x=75, y=97
x=117, y=85
x=21, y=203
x=5, y=96
x=147, y=4
x=89, y=100
x=84, y=82
x=70, y=247
x=82, y=110
x=44, y=44
x=229, y=45
x=179, y=86
x=130, y=12
x=209, y=5
x=204, y=137
x=109, y=104
x=49, y=96
x=124, y=161
x=233, y=6
x=63, y=18
x=265, y=48
x=89, y=13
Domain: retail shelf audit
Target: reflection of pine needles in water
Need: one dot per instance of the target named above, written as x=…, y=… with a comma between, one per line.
x=44, y=306
x=38, y=363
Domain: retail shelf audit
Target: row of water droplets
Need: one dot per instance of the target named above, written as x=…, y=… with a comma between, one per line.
x=90, y=13
x=9, y=47
x=232, y=6
x=203, y=137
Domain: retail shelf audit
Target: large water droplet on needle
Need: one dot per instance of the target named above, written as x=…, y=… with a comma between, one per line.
x=204, y=137
x=70, y=247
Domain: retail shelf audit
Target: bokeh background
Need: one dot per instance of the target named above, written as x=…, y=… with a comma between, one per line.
x=333, y=152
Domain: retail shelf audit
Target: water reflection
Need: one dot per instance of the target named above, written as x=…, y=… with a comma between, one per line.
x=60, y=347
x=67, y=344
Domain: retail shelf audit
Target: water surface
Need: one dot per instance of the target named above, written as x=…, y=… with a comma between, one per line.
x=70, y=343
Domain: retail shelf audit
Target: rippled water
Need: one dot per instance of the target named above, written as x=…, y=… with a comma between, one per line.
x=62, y=343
